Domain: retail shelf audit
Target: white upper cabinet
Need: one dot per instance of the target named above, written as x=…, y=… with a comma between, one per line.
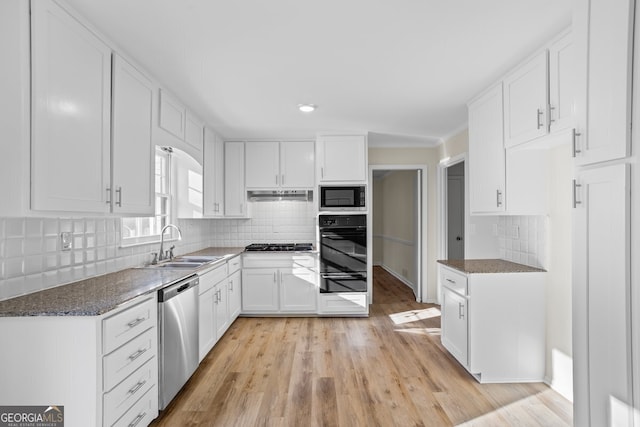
x=173, y=115
x=342, y=158
x=297, y=164
x=486, y=153
x=235, y=199
x=525, y=101
x=132, y=144
x=262, y=164
x=71, y=78
x=213, y=174
x=194, y=131
x=562, y=84
x=271, y=165
x=605, y=126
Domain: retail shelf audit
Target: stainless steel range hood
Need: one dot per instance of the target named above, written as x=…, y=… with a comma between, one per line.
x=276, y=195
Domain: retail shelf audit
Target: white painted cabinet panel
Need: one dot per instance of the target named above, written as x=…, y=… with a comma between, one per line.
x=608, y=32
x=562, y=84
x=194, y=131
x=487, y=153
x=213, y=174
x=235, y=295
x=221, y=308
x=173, y=115
x=260, y=290
x=262, y=164
x=454, y=325
x=235, y=199
x=525, y=101
x=132, y=148
x=71, y=78
x=602, y=350
x=298, y=290
x=297, y=164
x=342, y=158
x=206, y=321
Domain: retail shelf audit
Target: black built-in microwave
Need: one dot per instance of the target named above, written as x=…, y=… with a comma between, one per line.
x=342, y=198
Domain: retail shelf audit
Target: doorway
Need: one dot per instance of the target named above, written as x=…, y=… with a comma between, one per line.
x=395, y=226
x=455, y=211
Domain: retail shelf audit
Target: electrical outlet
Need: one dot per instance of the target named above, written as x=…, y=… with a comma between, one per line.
x=66, y=241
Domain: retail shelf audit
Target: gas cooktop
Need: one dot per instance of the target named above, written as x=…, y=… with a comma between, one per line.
x=279, y=247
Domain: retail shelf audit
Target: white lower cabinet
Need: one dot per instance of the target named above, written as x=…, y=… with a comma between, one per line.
x=493, y=324
x=213, y=317
x=279, y=284
x=234, y=283
x=102, y=369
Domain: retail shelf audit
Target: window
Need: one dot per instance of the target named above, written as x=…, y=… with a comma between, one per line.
x=138, y=230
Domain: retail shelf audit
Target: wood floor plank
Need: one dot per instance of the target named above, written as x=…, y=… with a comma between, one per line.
x=386, y=370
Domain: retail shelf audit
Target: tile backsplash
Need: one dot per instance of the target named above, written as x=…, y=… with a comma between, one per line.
x=31, y=258
x=523, y=239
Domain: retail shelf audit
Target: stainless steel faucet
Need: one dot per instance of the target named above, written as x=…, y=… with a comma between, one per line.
x=162, y=255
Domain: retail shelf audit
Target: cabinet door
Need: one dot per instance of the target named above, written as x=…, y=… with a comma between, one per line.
x=525, y=102
x=262, y=164
x=235, y=295
x=562, y=84
x=194, y=131
x=601, y=298
x=608, y=29
x=297, y=164
x=486, y=153
x=71, y=88
x=206, y=322
x=132, y=148
x=259, y=290
x=342, y=158
x=234, y=191
x=172, y=115
x=213, y=174
x=298, y=290
x=221, y=308
x=454, y=325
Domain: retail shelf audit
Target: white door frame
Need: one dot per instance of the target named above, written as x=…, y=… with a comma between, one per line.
x=442, y=206
x=421, y=246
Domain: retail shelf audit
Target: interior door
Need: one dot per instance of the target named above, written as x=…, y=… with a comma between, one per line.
x=455, y=217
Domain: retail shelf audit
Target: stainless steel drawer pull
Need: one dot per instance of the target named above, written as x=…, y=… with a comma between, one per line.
x=498, y=198
x=119, y=196
x=137, y=354
x=139, y=418
x=540, y=113
x=451, y=281
x=137, y=387
x=460, y=310
x=136, y=322
x=574, y=136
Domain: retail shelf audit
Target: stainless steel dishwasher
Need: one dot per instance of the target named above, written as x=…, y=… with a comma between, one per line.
x=178, y=324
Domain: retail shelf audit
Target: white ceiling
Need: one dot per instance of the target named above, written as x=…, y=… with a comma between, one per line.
x=401, y=69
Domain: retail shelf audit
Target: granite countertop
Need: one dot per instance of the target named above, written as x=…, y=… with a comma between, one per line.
x=97, y=295
x=485, y=266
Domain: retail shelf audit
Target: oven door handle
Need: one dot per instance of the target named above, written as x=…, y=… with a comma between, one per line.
x=343, y=276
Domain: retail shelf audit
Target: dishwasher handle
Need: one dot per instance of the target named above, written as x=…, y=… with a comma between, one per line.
x=177, y=288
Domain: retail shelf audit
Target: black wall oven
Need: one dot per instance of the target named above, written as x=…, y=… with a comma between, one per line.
x=343, y=253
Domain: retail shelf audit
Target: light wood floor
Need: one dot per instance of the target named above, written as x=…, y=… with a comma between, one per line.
x=387, y=370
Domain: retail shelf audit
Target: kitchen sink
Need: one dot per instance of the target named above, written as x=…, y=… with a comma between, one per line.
x=188, y=261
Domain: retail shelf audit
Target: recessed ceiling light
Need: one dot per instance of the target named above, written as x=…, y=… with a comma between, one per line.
x=307, y=108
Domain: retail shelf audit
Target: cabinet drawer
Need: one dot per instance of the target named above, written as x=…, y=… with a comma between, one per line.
x=343, y=304
x=143, y=412
x=125, y=360
x=211, y=277
x=121, y=398
x=121, y=327
x=234, y=265
x=306, y=261
x=453, y=280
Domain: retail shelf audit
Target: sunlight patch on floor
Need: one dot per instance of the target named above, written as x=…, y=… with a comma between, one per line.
x=414, y=315
x=421, y=331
